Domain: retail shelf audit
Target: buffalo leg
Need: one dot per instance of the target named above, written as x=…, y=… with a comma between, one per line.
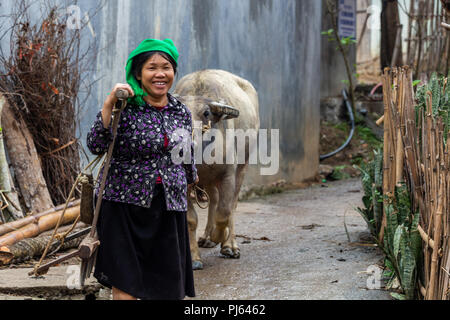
x=221, y=232
x=205, y=241
x=192, y=219
x=230, y=248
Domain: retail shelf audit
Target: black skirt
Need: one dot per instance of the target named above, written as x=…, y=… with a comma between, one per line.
x=144, y=251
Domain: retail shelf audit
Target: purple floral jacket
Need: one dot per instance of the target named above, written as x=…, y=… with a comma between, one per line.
x=139, y=156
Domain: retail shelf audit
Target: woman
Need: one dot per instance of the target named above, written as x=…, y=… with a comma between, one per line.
x=144, y=243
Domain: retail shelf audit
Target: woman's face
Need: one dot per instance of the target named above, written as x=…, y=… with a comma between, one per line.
x=157, y=76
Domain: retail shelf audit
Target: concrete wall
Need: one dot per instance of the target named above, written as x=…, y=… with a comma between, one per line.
x=274, y=44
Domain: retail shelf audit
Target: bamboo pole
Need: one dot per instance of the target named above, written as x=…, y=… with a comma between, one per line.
x=431, y=294
x=44, y=223
x=426, y=238
x=14, y=225
x=386, y=167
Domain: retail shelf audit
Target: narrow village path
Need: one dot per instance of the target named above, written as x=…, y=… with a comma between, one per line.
x=308, y=255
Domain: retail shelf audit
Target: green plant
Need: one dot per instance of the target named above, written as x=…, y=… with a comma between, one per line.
x=339, y=173
x=366, y=134
x=439, y=88
x=372, y=180
x=402, y=243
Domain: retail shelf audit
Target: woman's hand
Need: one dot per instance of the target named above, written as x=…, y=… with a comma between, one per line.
x=111, y=100
x=194, y=183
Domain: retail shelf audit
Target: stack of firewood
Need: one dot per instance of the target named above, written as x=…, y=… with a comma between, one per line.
x=26, y=209
x=416, y=152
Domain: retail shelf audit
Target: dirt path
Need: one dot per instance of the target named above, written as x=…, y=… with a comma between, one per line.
x=308, y=255
x=293, y=246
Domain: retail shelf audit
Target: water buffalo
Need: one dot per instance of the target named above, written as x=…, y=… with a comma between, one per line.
x=225, y=101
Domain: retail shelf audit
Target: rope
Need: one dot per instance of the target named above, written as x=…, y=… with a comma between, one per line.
x=62, y=236
x=204, y=129
x=196, y=187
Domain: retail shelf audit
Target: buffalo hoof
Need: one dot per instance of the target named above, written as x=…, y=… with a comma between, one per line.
x=227, y=252
x=197, y=265
x=206, y=243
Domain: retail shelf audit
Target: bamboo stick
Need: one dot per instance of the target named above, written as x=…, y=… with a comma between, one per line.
x=44, y=223
x=431, y=294
x=380, y=121
x=426, y=238
x=14, y=225
x=386, y=167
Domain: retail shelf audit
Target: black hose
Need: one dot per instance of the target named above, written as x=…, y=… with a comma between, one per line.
x=352, y=119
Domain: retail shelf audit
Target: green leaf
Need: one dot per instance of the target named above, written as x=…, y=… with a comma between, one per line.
x=388, y=264
x=416, y=245
x=416, y=82
x=407, y=269
x=392, y=223
x=388, y=274
x=328, y=32
x=397, y=237
x=398, y=296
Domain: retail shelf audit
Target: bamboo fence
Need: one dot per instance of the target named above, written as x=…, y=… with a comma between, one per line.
x=427, y=45
x=415, y=153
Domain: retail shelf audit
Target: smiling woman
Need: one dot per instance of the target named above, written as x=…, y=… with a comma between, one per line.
x=144, y=244
x=155, y=72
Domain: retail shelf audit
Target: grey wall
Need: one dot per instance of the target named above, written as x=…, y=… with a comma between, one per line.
x=275, y=44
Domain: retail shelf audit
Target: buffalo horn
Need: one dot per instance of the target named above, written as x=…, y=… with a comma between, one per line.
x=222, y=109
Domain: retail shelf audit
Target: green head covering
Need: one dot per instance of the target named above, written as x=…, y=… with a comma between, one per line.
x=165, y=45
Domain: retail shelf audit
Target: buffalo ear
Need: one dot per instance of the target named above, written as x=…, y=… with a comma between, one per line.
x=223, y=111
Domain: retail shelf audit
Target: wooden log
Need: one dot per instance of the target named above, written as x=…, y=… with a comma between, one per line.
x=28, y=248
x=6, y=181
x=12, y=226
x=25, y=161
x=44, y=223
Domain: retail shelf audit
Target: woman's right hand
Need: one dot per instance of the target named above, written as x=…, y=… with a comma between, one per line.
x=111, y=100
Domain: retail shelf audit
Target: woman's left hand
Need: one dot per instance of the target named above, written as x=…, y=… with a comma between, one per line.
x=194, y=183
